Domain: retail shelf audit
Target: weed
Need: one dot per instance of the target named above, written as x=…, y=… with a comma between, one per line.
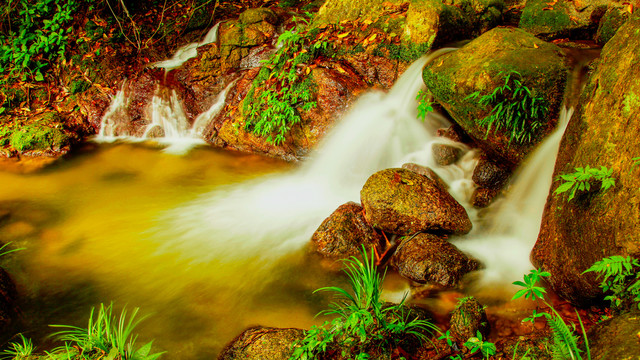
x=424, y=104
x=4, y=252
x=18, y=350
x=476, y=343
x=581, y=180
x=620, y=277
x=363, y=323
x=565, y=343
x=513, y=108
x=636, y=162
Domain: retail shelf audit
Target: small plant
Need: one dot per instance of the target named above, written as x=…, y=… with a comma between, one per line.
x=424, y=104
x=4, y=252
x=18, y=350
x=581, y=180
x=565, y=343
x=476, y=343
x=620, y=277
x=636, y=162
x=107, y=334
x=363, y=323
x=514, y=108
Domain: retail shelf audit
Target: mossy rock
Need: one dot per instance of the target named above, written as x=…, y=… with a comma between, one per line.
x=46, y=132
x=562, y=18
x=616, y=338
x=604, y=131
x=468, y=318
x=480, y=66
x=259, y=343
x=612, y=20
x=335, y=11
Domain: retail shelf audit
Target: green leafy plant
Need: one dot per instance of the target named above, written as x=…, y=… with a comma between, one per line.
x=514, y=108
x=476, y=343
x=424, y=104
x=582, y=178
x=565, y=343
x=363, y=323
x=107, y=334
x=620, y=278
x=18, y=350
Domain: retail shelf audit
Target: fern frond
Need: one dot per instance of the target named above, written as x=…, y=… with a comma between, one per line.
x=565, y=342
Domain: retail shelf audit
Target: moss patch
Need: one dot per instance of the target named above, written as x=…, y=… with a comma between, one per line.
x=44, y=133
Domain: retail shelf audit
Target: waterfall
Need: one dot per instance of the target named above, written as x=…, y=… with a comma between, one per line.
x=188, y=51
x=505, y=243
x=266, y=218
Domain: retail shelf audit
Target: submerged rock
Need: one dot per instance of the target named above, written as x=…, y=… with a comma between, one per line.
x=616, y=338
x=400, y=201
x=563, y=18
x=427, y=258
x=259, y=343
x=343, y=233
x=468, y=318
x=481, y=66
x=604, y=131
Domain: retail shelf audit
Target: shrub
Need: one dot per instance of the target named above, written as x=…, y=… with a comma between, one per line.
x=582, y=179
x=514, y=109
x=620, y=278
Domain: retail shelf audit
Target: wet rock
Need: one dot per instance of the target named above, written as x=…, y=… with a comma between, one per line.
x=427, y=258
x=479, y=66
x=400, y=201
x=8, y=295
x=455, y=133
x=602, y=132
x=334, y=11
x=343, y=233
x=445, y=154
x=489, y=175
x=482, y=197
x=468, y=318
x=563, y=18
x=4, y=215
x=425, y=171
x=375, y=70
x=616, y=338
x=611, y=21
x=258, y=343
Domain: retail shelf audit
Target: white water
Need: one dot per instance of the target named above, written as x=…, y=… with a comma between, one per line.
x=504, y=246
x=264, y=219
x=188, y=51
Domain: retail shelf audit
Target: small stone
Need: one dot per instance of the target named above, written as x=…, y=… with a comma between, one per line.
x=468, y=318
x=259, y=343
x=482, y=197
x=445, y=154
x=489, y=175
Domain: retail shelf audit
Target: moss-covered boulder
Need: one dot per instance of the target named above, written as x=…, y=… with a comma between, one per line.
x=616, y=338
x=604, y=131
x=400, y=201
x=335, y=11
x=344, y=232
x=468, y=318
x=482, y=66
x=563, y=18
x=259, y=343
x=611, y=21
x=427, y=258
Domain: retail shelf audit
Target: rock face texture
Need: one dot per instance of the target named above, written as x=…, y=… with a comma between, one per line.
x=480, y=66
x=427, y=258
x=604, y=131
x=563, y=18
x=616, y=338
x=258, y=343
x=342, y=234
x=400, y=201
x=468, y=318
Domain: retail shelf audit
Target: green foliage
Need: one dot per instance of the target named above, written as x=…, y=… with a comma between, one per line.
x=41, y=36
x=447, y=337
x=424, y=104
x=513, y=108
x=107, y=334
x=565, y=343
x=4, y=252
x=406, y=53
x=581, y=180
x=515, y=353
x=475, y=344
x=283, y=86
x=363, y=324
x=636, y=162
x=18, y=350
x=620, y=278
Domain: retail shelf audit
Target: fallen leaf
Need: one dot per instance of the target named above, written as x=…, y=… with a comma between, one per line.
x=372, y=37
x=536, y=46
x=340, y=36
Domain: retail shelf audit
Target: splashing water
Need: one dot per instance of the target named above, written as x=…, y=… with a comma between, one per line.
x=265, y=219
x=188, y=51
x=504, y=246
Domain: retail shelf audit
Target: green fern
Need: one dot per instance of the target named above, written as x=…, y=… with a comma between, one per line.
x=564, y=340
x=620, y=277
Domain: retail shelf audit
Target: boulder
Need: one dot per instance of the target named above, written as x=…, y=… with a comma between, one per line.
x=427, y=258
x=550, y=20
x=611, y=22
x=490, y=175
x=604, y=131
x=400, y=201
x=343, y=233
x=335, y=11
x=258, y=343
x=425, y=171
x=616, y=338
x=468, y=318
x=445, y=154
x=481, y=66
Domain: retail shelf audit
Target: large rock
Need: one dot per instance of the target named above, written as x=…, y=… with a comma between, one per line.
x=259, y=343
x=576, y=19
x=480, y=66
x=616, y=338
x=611, y=21
x=400, y=201
x=604, y=131
x=343, y=233
x=427, y=258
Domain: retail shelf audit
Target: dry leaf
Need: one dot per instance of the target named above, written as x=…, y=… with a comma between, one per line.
x=340, y=36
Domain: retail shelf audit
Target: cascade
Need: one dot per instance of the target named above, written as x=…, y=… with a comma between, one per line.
x=188, y=51
x=269, y=217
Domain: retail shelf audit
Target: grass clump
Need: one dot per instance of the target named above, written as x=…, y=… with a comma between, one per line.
x=582, y=178
x=514, y=109
x=18, y=350
x=620, y=279
x=364, y=325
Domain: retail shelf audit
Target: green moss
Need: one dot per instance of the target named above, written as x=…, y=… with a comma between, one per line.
x=539, y=20
x=630, y=104
x=79, y=86
x=44, y=133
x=406, y=53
